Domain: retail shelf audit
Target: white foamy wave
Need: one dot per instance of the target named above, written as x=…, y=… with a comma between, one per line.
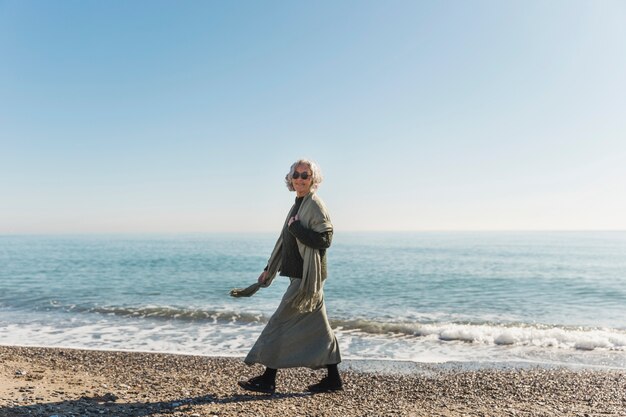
x=585, y=339
x=497, y=334
x=156, y=312
x=430, y=343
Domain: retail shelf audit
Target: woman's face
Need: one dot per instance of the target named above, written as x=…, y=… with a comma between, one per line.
x=302, y=186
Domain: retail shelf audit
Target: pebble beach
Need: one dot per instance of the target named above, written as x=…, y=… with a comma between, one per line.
x=69, y=382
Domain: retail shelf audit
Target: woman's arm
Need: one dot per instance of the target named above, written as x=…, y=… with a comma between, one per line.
x=310, y=237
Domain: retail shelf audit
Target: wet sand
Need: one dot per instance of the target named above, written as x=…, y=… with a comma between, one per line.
x=67, y=382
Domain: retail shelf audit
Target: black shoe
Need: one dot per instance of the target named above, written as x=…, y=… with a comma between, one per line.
x=258, y=384
x=326, y=385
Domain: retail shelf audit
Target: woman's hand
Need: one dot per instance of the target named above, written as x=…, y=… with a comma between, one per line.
x=262, y=277
x=293, y=219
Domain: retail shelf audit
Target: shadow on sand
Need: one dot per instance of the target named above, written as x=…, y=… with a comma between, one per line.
x=107, y=405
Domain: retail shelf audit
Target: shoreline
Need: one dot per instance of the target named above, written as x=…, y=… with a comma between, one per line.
x=37, y=381
x=376, y=365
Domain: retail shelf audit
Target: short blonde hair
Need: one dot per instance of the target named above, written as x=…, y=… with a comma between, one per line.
x=316, y=174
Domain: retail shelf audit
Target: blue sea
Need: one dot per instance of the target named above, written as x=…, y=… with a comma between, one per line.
x=533, y=298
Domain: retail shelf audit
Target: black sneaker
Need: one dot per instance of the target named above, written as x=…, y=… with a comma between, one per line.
x=326, y=385
x=258, y=384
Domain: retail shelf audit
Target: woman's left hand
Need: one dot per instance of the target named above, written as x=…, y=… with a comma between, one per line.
x=293, y=219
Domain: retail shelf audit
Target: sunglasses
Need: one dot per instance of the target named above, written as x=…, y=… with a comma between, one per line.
x=303, y=175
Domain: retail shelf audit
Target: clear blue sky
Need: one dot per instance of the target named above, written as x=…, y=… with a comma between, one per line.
x=166, y=116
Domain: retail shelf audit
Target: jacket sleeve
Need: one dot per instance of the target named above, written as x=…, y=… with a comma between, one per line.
x=310, y=237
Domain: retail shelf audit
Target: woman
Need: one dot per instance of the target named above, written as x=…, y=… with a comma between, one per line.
x=298, y=334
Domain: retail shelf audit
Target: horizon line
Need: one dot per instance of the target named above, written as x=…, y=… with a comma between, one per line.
x=239, y=232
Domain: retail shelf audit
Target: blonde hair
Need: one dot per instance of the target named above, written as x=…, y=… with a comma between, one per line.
x=316, y=174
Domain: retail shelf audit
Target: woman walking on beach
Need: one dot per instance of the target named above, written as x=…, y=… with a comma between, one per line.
x=298, y=333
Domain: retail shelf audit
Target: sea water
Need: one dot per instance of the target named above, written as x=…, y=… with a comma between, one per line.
x=539, y=298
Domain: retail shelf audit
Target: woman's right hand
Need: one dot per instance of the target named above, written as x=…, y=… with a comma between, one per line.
x=262, y=277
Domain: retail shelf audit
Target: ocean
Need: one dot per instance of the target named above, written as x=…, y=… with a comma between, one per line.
x=479, y=298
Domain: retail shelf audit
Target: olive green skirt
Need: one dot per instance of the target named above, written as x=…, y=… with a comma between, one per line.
x=293, y=339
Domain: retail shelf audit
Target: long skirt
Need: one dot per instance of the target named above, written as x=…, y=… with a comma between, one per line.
x=292, y=339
